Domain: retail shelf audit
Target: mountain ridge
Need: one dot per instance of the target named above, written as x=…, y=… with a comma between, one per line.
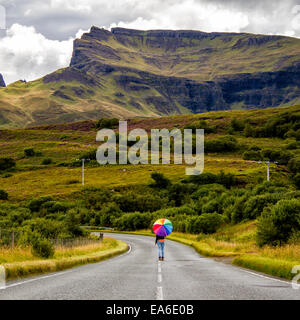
x=129, y=73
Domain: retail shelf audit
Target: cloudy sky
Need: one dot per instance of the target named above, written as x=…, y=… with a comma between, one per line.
x=37, y=38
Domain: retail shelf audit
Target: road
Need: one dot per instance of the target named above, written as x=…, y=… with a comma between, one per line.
x=137, y=275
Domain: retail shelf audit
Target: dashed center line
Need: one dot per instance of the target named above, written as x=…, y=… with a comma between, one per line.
x=159, y=267
x=159, y=293
x=159, y=278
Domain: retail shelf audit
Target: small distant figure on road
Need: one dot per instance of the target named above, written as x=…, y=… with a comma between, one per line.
x=162, y=228
x=160, y=242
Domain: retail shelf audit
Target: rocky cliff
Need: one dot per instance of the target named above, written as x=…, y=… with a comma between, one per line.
x=129, y=73
x=2, y=83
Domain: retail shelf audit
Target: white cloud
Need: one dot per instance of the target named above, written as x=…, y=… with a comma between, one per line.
x=189, y=14
x=26, y=54
x=72, y=5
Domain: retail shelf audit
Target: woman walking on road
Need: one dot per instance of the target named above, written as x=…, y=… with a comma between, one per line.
x=160, y=242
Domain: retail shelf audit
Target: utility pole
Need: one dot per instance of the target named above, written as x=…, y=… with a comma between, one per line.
x=83, y=162
x=268, y=163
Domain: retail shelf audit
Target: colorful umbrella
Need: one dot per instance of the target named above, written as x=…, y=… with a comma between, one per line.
x=162, y=227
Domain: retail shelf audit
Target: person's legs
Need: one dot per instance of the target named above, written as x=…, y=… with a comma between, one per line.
x=159, y=249
x=163, y=250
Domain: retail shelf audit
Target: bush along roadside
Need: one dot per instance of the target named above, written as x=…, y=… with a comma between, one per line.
x=28, y=268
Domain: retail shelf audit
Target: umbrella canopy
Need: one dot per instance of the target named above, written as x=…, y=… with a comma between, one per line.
x=162, y=227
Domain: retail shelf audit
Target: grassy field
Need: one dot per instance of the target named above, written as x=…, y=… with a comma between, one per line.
x=20, y=262
x=63, y=144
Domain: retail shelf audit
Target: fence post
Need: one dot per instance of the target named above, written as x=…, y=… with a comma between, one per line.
x=101, y=236
x=12, y=239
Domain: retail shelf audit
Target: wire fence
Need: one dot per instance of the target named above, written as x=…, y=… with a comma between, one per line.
x=11, y=238
x=75, y=242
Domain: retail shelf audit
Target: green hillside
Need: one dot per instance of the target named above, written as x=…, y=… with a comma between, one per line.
x=132, y=74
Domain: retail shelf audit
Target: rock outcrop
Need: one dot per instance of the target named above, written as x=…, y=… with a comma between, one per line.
x=131, y=73
x=2, y=83
x=172, y=64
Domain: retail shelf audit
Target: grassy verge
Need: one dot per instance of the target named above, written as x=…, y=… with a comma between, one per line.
x=274, y=267
x=64, y=259
x=238, y=243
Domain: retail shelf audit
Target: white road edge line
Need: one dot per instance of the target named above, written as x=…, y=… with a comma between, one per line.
x=129, y=250
x=49, y=276
x=266, y=277
x=159, y=295
x=35, y=279
x=159, y=267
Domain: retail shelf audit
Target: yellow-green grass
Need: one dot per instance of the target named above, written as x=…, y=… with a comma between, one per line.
x=275, y=267
x=21, y=263
x=58, y=181
x=68, y=145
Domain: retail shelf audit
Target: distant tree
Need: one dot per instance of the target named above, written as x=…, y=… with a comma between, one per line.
x=160, y=181
x=7, y=163
x=29, y=152
x=3, y=195
x=106, y=123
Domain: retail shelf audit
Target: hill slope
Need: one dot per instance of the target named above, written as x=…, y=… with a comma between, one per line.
x=131, y=73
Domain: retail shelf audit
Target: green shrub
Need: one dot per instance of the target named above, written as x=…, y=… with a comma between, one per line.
x=106, y=123
x=178, y=193
x=211, y=206
x=7, y=163
x=277, y=224
x=237, y=214
x=41, y=247
x=132, y=202
x=3, y=195
x=237, y=125
x=6, y=175
x=54, y=206
x=254, y=148
x=296, y=181
x=202, y=124
x=72, y=223
x=91, y=154
x=252, y=155
x=35, y=204
x=205, y=190
x=224, y=144
x=47, y=228
x=294, y=165
x=29, y=152
x=133, y=221
x=47, y=161
x=206, y=223
x=160, y=181
x=202, y=179
x=293, y=145
x=255, y=205
x=282, y=157
x=225, y=179
x=173, y=212
x=107, y=214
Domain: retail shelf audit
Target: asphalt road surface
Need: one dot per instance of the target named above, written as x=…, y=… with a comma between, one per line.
x=137, y=275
